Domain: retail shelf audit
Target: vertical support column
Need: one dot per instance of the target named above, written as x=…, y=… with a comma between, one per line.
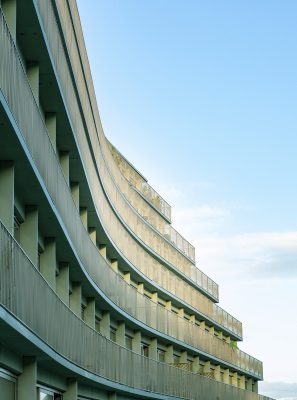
x=255, y=387
x=33, y=77
x=7, y=194
x=120, y=334
x=90, y=312
x=48, y=262
x=220, y=335
x=112, y=396
x=93, y=235
x=153, y=349
x=154, y=297
x=206, y=369
x=75, y=298
x=10, y=11
x=234, y=379
x=195, y=364
x=115, y=265
x=226, y=376
x=102, y=250
x=242, y=382
x=127, y=277
x=136, y=342
x=51, y=126
x=228, y=339
x=181, y=312
x=211, y=330
x=140, y=288
x=217, y=373
x=202, y=324
x=105, y=324
x=74, y=186
x=168, y=305
x=64, y=161
x=183, y=357
x=28, y=379
x=192, y=319
x=169, y=354
x=29, y=234
x=71, y=392
x=62, y=283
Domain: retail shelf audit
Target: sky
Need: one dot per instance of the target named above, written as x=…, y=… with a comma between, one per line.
x=201, y=97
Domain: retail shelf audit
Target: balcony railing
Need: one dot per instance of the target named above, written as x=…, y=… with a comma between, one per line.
x=15, y=88
x=140, y=183
x=115, y=185
x=27, y=296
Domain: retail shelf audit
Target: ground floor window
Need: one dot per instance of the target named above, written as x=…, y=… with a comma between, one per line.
x=7, y=385
x=48, y=394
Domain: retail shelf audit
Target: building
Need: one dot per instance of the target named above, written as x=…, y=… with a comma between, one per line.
x=99, y=296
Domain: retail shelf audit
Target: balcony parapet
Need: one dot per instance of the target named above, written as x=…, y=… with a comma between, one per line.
x=109, y=173
x=30, y=121
x=139, y=182
x=18, y=277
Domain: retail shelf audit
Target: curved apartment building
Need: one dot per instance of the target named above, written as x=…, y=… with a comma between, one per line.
x=100, y=297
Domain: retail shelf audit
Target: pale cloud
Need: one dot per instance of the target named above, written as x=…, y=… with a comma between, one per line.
x=279, y=390
x=262, y=254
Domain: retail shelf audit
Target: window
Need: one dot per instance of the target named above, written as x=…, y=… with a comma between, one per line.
x=97, y=324
x=48, y=394
x=83, y=308
x=128, y=342
x=7, y=385
x=112, y=334
x=161, y=355
x=16, y=228
x=144, y=350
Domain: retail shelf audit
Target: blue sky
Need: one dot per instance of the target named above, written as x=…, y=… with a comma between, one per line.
x=201, y=97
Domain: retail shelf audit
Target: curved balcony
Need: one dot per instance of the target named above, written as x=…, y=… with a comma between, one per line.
x=113, y=181
x=16, y=90
x=142, y=187
x=140, y=183
x=72, y=339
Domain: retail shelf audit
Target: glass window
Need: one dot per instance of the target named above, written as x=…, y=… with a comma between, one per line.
x=112, y=334
x=128, y=341
x=161, y=355
x=47, y=394
x=7, y=386
x=144, y=350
